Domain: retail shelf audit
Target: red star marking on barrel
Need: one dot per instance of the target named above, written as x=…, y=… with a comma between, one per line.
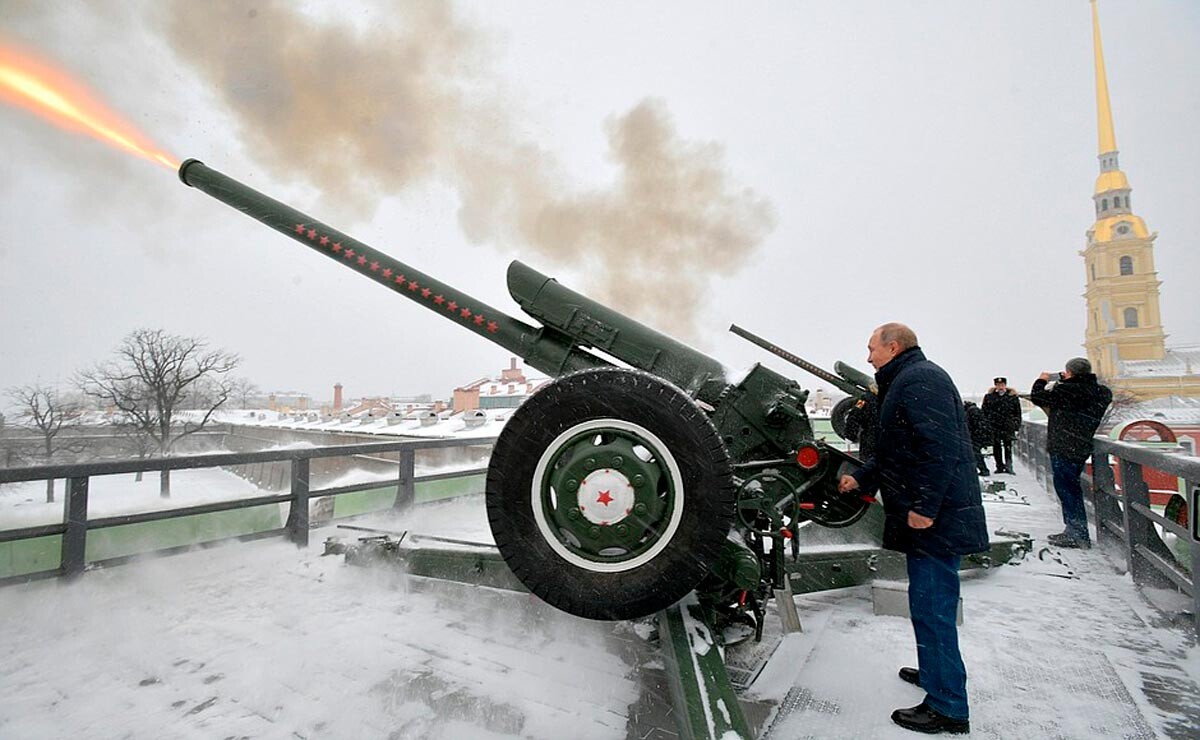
x=604, y=498
x=374, y=267
x=425, y=292
x=478, y=319
x=413, y=285
x=401, y=280
x=465, y=313
x=324, y=240
x=362, y=260
x=348, y=254
x=387, y=273
x=439, y=299
x=337, y=246
x=452, y=306
x=312, y=234
x=493, y=327
x=299, y=228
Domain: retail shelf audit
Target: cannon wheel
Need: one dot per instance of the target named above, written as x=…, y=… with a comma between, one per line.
x=837, y=417
x=609, y=493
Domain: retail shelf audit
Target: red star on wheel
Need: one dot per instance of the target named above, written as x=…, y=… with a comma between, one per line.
x=348, y=254
x=413, y=285
x=478, y=319
x=299, y=228
x=337, y=246
x=362, y=260
x=604, y=498
x=374, y=267
x=493, y=327
x=425, y=292
x=465, y=313
x=401, y=280
x=439, y=299
x=452, y=306
x=387, y=273
x=312, y=233
x=324, y=240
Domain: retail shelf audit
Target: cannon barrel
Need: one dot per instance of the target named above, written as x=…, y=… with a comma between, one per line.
x=848, y=379
x=548, y=353
x=572, y=321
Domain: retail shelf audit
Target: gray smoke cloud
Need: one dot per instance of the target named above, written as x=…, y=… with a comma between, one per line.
x=404, y=97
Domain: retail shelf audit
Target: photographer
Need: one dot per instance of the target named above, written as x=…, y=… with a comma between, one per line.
x=1074, y=405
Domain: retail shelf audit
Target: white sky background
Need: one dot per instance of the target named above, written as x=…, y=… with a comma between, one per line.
x=928, y=162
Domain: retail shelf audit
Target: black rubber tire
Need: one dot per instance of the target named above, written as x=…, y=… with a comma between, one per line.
x=707, y=502
x=837, y=417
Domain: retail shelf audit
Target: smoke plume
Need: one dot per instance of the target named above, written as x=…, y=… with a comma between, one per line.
x=405, y=98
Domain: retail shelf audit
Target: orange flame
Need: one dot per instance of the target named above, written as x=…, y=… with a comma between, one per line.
x=37, y=86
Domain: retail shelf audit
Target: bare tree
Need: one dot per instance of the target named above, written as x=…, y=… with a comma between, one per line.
x=243, y=390
x=47, y=412
x=155, y=378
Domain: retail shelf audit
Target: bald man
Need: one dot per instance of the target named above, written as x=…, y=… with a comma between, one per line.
x=924, y=465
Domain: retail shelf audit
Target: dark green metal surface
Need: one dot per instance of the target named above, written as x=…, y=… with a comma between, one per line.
x=705, y=702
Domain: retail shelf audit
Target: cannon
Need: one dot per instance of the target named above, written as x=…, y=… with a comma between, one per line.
x=644, y=470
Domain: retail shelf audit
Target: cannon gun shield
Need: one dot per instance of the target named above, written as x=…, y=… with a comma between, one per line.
x=610, y=493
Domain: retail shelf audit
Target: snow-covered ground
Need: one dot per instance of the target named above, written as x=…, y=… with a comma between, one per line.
x=265, y=640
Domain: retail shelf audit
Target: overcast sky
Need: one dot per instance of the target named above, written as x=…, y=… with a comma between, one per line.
x=807, y=170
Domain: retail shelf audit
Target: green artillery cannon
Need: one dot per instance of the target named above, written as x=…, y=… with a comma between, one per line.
x=614, y=491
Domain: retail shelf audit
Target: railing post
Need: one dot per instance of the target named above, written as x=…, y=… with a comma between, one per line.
x=406, y=488
x=74, y=540
x=1139, y=531
x=1104, y=489
x=1193, y=502
x=297, y=521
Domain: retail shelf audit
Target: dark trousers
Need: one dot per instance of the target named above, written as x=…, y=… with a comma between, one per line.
x=1002, y=450
x=1070, y=494
x=933, y=604
x=980, y=463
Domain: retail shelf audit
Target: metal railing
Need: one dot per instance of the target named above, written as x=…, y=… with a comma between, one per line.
x=1122, y=513
x=76, y=525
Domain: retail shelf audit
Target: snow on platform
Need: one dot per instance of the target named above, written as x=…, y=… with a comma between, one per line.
x=264, y=640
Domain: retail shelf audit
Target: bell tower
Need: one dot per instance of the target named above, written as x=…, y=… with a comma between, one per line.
x=1123, y=321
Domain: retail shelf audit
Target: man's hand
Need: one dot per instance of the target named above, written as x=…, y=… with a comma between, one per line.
x=916, y=521
x=1045, y=376
x=847, y=484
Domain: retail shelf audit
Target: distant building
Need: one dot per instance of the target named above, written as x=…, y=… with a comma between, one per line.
x=1125, y=340
x=508, y=391
x=288, y=401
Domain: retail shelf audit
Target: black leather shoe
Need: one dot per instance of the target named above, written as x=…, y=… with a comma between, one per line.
x=1067, y=541
x=912, y=675
x=923, y=719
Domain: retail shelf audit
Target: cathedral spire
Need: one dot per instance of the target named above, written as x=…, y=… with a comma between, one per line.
x=1108, y=136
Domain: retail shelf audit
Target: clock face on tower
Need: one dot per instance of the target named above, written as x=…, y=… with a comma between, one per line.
x=1123, y=229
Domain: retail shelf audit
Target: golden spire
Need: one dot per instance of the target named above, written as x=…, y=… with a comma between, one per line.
x=1108, y=137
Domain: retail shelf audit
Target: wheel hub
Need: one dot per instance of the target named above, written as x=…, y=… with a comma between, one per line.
x=606, y=497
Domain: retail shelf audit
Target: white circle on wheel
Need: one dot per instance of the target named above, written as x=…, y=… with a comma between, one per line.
x=660, y=453
x=605, y=497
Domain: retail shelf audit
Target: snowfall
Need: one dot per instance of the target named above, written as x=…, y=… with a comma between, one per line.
x=266, y=640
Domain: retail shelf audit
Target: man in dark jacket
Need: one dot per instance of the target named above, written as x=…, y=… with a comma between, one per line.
x=981, y=434
x=925, y=469
x=1075, y=405
x=1002, y=407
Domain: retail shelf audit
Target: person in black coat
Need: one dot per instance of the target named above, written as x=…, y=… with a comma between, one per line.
x=925, y=469
x=981, y=434
x=1075, y=405
x=1002, y=407
x=860, y=425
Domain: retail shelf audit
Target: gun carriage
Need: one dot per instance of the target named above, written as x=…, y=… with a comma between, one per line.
x=645, y=469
